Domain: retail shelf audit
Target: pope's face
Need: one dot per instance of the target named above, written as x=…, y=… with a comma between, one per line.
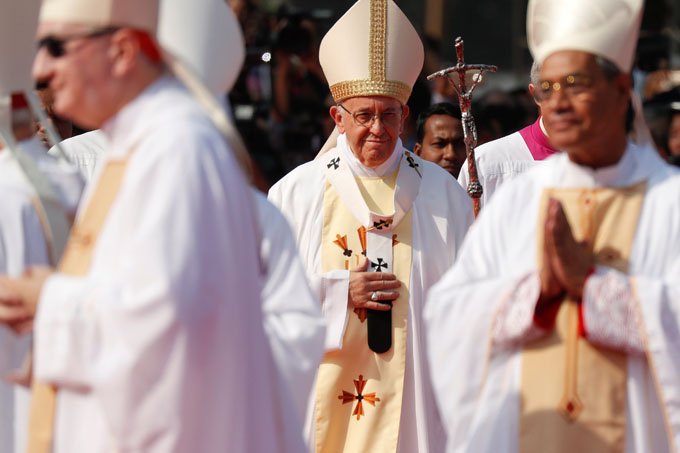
x=583, y=111
x=383, y=120
x=78, y=78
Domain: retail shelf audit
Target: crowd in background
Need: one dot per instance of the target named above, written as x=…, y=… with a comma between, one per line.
x=281, y=100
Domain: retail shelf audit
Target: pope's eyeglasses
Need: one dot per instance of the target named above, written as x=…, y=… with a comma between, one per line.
x=56, y=46
x=390, y=118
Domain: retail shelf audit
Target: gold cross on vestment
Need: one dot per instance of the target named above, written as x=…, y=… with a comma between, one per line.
x=348, y=397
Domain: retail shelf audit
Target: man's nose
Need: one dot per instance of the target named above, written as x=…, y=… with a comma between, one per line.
x=42, y=66
x=378, y=127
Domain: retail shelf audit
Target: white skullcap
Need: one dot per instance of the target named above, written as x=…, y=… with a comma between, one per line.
x=607, y=28
x=372, y=50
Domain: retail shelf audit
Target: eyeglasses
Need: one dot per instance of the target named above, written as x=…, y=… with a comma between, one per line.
x=56, y=46
x=572, y=85
x=389, y=118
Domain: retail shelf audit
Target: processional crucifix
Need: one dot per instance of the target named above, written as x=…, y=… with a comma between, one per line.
x=474, y=188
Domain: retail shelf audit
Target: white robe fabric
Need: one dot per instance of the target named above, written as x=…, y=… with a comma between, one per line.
x=161, y=347
x=441, y=215
x=481, y=312
x=498, y=161
x=84, y=151
x=292, y=315
x=22, y=244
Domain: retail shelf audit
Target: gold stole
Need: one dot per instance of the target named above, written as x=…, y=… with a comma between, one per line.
x=76, y=261
x=359, y=392
x=574, y=393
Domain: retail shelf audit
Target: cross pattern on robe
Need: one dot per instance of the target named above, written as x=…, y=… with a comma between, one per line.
x=379, y=265
x=348, y=397
x=382, y=224
x=335, y=163
x=413, y=164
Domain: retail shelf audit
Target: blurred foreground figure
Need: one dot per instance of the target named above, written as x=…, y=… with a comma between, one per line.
x=376, y=226
x=557, y=328
x=152, y=329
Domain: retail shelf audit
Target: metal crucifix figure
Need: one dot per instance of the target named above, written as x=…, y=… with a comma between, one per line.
x=474, y=188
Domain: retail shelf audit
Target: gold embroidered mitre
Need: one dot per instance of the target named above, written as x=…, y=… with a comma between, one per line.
x=372, y=50
x=608, y=28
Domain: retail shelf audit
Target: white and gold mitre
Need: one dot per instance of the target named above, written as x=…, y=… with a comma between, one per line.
x=608, y=28
x=372, y=50
x=140, y=14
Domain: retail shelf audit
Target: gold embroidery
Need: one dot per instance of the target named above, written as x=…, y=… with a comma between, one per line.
x=377, y=40
x=348, y=397
x=353, y=88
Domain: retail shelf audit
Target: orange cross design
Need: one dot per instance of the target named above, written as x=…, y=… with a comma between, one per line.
x=348, y=397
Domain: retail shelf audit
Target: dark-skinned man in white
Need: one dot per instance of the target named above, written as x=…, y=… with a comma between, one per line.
x=561, y=311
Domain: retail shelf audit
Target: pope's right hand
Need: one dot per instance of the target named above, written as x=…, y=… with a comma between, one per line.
x=362, y=286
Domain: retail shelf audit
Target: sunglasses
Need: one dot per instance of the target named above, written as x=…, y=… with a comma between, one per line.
x=56, y=46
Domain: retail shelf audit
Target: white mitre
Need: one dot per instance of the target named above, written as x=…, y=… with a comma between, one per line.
x=140, y=14
x=206, y=36
x=607, y=28
x=372, y=50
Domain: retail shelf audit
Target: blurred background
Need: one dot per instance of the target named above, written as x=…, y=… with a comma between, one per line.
x=281, y=100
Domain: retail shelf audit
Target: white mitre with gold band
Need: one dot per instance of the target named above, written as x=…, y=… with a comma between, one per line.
x=607, y=28
x=372, y=50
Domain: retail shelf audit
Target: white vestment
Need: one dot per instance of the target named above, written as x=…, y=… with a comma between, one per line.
x=481, y=312
x=441, y=214
x=292, y=315
x=500, y=160
x=84, y=151
x=22, y=244
x=161, y=346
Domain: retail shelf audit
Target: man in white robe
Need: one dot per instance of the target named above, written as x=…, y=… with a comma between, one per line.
x=374, y=224
x=557, y=328
x=500, y=160
x=158, y=343
x=38, y=194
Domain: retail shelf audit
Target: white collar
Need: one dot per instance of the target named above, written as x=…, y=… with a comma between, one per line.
x=359, y=169
x=630, y=169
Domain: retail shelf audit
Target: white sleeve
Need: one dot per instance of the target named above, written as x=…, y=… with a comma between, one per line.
x=611, y=313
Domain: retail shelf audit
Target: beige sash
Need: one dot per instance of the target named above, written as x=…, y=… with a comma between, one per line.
x=359, y=392
x=574, y=393
x=76, y=261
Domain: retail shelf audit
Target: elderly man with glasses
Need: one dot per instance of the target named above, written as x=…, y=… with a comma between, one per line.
x=376, y=226
x=150, y=334
x=562, y=311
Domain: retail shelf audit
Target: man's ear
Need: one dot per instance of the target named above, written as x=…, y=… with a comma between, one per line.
x=417, y=148
x=336, y=114
x=123, y=51
x=532, y=92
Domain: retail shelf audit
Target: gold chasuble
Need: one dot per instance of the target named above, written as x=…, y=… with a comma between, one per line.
x=573, y=392
x=358, y=391
x=76, y=261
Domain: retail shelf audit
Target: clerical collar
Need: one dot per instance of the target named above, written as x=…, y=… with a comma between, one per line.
x=359, y=169
x=125, y=129
x=630, y=169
